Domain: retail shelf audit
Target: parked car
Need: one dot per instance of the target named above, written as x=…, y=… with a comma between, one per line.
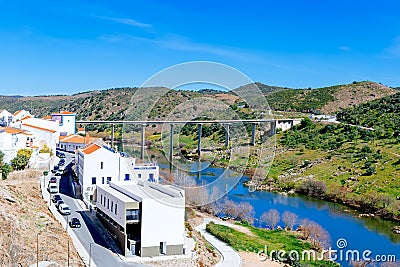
x=52, y=188
x=53, y=179
x=56, y=167
x=62, y=155
x=55, y=198
x=59, y=203
x=64, y=209
x=61, y=163
x=59, y=173
x=75, y=223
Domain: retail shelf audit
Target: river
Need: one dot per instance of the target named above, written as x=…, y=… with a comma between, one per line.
x=361, y=234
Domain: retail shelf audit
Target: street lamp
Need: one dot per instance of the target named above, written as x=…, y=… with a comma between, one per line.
x=90, y=253
x=37, y=249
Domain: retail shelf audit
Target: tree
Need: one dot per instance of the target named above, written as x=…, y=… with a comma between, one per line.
x=22, y=159
x=313, y=188
x=270, y=218
x=44, y=149
x=289, y=219
x=5, y=170
x=246, y=212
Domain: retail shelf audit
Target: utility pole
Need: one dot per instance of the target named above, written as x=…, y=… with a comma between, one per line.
x=68, y=254
x=37, y=250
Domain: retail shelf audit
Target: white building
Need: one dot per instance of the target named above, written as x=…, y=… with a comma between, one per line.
x=73, y=142
x=44, y=131
x=12, y=140
x=66, y=121
x=98, y=164
x=20, y=114
x=5, y=118
x=146, y=218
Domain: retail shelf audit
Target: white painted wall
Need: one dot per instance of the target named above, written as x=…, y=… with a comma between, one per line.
x=11, y=143
x=67, y=124
x=5, y=116
x=161, y=222
x=120, y=216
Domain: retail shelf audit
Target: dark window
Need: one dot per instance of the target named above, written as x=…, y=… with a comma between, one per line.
x=108, y=180
x=108, y=203
x=151, y=177
x=101, y=165
x=127, y=177
x=112, y=206
x=93, y=180
x=132, y=215
x=116, y=207
x=139, y=175
x=102, y=180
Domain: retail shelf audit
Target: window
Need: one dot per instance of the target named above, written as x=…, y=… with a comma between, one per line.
x=116, y=207
x=108, y=180
x=139, y=175
x=163, y=247
x=151, y=177
x=101, y=199
x=101, y=165
x=93, y=180
x=127, y=177
x=132, y=215
x=102, y=180
x=112, y=206
x=108, y=203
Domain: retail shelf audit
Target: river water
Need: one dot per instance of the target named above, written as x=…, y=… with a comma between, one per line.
x=341, y=222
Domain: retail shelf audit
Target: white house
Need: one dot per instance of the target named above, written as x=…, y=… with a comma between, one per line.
x=12, y=140
x=97, y=164
x=73, y=142
x=44, y=131
x=146, y=218
x=5, y=117
x=66, y=121
x=20, y=114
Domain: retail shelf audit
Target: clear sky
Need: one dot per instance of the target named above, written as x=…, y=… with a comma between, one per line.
x=64, y=47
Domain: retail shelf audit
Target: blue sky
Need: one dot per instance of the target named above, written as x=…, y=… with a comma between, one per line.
x=64, y=47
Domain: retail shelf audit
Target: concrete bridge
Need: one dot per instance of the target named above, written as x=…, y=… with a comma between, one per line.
x=283, y=124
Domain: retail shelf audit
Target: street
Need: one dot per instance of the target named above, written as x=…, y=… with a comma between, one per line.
x=88, y=234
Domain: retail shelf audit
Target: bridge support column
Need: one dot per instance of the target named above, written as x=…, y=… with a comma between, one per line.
x=227, y=135
x=199, y=128
x=253, y=134
x=112, y=136
x=142, y=142
x=273, y=127
x=171, y=143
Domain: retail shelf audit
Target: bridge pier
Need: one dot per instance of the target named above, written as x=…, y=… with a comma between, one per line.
x=142, y=143
x=112, y=136
x=199, y=128
x=227, y=135
x=273, y=127
x=171, y=143
x=253, y=134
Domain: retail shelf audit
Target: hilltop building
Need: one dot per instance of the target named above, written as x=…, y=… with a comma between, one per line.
x=66, y=121
x=19, y=115
x=146, y=218
x=97, y=164
x=5, y=118
x=12, y=140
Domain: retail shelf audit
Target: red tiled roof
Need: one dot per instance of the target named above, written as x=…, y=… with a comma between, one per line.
x=90, y=149
x=63, y=113
x=73, y=138
x=13, y=130
x=26, y=117
x=40, y=128
x=17, y=112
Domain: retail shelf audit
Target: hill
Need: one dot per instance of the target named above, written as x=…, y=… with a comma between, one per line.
x=326, y=100
x=112, y=103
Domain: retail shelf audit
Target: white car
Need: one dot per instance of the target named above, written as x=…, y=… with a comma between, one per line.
x=53, y=188
x=64, y=209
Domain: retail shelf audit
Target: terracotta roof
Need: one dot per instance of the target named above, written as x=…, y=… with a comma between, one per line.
x=47, y=117
x=12, y=130
x=90, y=149
x=26, y=117
x=40, y=128
x=17, y=112
x=73, y=138
x=63, y=112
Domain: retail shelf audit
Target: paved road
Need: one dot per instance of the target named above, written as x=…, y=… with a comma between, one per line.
x=88, y=235
x=230, y=258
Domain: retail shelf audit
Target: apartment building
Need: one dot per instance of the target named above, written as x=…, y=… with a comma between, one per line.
x=146, y=219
